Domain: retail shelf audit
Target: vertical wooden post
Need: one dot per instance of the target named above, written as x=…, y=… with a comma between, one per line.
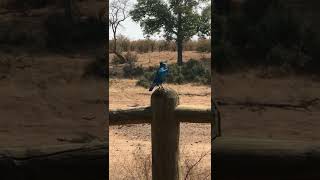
x=165, y=131
x=216, y=123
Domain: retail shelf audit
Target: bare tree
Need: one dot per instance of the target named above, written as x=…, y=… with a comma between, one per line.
x=118, y=12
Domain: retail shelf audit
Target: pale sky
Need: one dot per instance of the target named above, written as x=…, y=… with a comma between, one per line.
x=129, y=28
x=132, y=30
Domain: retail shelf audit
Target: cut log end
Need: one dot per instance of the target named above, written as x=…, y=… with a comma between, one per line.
x=166, y=93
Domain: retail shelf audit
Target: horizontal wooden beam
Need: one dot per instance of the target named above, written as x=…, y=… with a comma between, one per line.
x=67, y=161
x=144, y=115
x=248, y=159
x=130, y=116
x=194, y=114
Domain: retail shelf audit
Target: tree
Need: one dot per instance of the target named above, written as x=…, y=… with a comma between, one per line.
x=178, y=19
x=118, y=12
x=205, y=23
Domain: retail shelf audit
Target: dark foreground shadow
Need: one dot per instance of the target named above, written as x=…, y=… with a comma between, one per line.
x=78, y=162
x=247, y=159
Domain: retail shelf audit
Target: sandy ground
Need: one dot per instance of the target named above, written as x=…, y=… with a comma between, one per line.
x=44, y=101
x=124, y=93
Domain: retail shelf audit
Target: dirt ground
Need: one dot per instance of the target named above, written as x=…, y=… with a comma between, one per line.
x=44, y=101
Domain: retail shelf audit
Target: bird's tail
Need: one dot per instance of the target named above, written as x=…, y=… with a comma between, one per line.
x=151, y=87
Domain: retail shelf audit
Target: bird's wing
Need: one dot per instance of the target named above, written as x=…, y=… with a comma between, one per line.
x=157, y=77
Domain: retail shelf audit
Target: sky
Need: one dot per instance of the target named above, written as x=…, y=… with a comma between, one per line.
x=132, y=30
x=129, y=28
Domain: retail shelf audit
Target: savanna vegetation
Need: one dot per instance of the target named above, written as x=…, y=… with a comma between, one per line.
x=191, y=71
x=53, y=24
x=149, y=45
x=176, y=22
x=264, y=34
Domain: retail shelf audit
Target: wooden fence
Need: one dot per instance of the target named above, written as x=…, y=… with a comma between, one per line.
x=165, y=116
x=232, y=158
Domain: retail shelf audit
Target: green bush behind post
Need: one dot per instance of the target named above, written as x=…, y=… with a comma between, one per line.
x=192, y=71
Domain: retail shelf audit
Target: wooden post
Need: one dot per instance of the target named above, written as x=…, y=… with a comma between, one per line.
x=165, y=129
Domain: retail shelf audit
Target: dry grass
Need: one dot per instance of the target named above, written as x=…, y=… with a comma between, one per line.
x=136, y=96
x=148, y=45
x=192, y=166
x=130, y=148
x=154, y=58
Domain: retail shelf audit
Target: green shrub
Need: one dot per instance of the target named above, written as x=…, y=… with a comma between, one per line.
x=131, y=70
x=196, y=71
x=192, y=71
x=175, y=74
x=146, y=79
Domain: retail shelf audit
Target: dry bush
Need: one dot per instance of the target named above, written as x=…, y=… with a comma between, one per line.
x=140, y=167
x=203, y=45
x=148, y=45
x=128, y=58
x=190, y=46
x=143, y=46
x=192, y=169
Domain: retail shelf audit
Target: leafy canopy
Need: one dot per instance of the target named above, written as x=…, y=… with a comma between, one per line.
x=159, y=15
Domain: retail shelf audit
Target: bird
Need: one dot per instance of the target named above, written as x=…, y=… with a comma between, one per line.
x=160, y=76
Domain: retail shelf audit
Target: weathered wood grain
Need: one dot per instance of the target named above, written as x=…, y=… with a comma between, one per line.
x=144, y=115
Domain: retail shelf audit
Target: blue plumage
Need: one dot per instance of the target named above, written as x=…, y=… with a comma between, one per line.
x=160, y=76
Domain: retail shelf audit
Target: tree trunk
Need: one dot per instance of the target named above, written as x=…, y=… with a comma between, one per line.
x=114, y=42
x=115, y=47
x=179, y=40
x=179, y=47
